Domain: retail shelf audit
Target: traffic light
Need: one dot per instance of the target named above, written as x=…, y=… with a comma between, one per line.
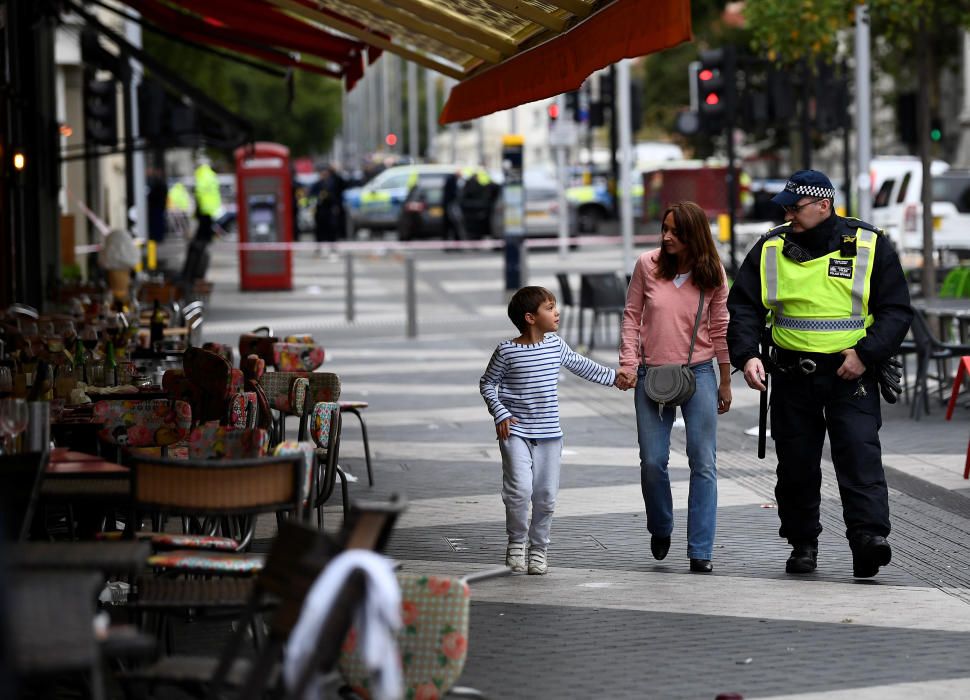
x=391, y=139
x=936, y=129
x=572, y=105
x=716, y=88
x=553, y=110
x=100, y=112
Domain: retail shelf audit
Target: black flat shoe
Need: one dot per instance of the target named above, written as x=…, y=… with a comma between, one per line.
x=659, y=546
x=701, y=566
x=869, y=552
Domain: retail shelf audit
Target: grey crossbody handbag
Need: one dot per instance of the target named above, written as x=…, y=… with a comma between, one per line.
x=673, y=385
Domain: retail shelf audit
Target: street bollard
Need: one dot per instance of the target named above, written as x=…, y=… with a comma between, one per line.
x=349, y=281
x=410, y=298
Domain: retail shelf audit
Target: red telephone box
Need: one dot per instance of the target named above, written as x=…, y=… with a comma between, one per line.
x=264, y=195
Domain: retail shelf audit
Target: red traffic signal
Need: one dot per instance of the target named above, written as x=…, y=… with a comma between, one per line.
x=391, y=139
x=553, y=111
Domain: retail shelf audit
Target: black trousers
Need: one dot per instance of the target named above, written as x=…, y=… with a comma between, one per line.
x=803, y=407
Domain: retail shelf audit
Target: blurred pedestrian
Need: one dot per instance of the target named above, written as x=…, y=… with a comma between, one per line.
x=157, y=204
x=521, y=389
x=329, y=215
x=834, y=296
x=452, y=209
x=676, y=314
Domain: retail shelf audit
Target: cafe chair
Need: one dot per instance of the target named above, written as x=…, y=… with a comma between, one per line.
x=258, y=342
x=297, y=357
x=566, y=301
x=49, y=621
x=285, y=393
x=930, y=350
x=20, y=479
x=433, y=641
x=297, y=557
x=325, y=429
x=604, y=293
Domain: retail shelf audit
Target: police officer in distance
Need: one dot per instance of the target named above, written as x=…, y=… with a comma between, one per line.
x=833, y=293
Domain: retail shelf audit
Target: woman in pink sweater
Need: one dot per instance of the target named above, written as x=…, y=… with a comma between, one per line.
x=661, y=306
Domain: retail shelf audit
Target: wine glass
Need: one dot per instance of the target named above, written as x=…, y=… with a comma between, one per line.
x=6, y=382
x=89, y=337
x=13, y=420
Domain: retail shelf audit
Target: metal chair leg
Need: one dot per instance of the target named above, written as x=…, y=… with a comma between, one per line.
x=363, y=432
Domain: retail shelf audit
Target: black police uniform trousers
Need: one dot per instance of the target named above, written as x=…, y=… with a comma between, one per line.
x=802, y=407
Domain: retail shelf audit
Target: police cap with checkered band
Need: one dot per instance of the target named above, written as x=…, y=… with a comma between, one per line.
x=805, y=183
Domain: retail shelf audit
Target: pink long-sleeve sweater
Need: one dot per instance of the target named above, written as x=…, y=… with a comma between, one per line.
x=659, y=319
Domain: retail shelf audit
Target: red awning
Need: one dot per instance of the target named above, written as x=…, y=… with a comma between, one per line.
x=503, y=53
x=625, y=29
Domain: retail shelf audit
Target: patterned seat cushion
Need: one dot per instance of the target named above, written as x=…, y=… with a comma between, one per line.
x=174, y=540
x=153, y=423
x=324, y=413
x=212, y=441
x=309, y=452
x=298, y=339
x=190, y=561
x=433, y=641
x=294, y=357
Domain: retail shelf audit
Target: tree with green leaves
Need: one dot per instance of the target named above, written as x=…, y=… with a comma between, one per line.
x=914, y=41
x=306, y=124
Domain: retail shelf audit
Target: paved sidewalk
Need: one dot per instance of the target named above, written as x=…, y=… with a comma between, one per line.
x=608, y=619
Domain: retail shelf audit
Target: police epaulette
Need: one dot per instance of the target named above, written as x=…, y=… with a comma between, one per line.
x=859, y=223
x=776, y=231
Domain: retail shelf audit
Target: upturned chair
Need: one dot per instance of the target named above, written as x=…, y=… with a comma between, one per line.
x=140, y=425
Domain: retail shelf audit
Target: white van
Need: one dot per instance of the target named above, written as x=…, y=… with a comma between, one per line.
x=897, y=183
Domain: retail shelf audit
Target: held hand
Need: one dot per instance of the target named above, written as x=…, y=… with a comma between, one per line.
x=723, y=398
x=502, y=429
x=625, y=379
x=754, y=374
x=852, y=367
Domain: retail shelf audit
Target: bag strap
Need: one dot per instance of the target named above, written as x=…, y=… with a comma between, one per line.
x=697, y=323
x=693, y=337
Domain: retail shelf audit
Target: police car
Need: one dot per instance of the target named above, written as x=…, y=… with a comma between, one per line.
x=377, y=205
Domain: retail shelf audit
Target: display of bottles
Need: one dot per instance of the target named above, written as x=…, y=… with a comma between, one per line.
x=79, y=364
x=110, y=365
x=157, y=328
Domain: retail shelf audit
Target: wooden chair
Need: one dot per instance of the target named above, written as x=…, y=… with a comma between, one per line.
x=297, y=557
x=20, y=479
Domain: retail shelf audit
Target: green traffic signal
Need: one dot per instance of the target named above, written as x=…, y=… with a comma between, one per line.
x=935, y=134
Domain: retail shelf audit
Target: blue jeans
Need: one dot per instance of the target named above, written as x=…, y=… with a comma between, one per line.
x=653, y=433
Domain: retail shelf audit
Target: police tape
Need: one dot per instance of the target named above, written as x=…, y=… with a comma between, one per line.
x=384, y=246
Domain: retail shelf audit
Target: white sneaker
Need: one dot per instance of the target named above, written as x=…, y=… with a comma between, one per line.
x=515, y=556
x=537, y=562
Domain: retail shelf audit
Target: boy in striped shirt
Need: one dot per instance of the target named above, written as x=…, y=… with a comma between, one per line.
x=520, y=388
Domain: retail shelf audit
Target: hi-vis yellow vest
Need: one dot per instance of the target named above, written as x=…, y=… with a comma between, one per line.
x=821, y=305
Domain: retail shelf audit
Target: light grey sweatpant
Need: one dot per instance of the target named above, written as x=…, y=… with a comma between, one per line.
x=530, y=474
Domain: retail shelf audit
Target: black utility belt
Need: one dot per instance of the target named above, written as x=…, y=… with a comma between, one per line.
x=795, y=362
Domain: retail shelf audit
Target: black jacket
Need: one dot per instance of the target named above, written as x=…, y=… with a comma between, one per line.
x=888, y=296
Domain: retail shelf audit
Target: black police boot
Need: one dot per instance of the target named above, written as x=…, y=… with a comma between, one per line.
x=869, y=552
x=659, y=546
x=803, y=559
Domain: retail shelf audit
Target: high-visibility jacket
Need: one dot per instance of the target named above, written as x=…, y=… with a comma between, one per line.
x=820, y=305
x=207, y=198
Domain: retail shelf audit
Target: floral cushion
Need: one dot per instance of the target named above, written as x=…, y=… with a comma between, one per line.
x=211, y=441
x=236, y=381
x=174, y=540
x=298, y=339
x=190, y=561
x=324, y=413
x=292, y=357
x=309, y=452
x=157, y=422
x=433, y=640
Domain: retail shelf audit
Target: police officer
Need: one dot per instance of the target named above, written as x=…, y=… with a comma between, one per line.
x=833, y=293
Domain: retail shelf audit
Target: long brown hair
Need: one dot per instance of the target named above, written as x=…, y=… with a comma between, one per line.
x=694, y=231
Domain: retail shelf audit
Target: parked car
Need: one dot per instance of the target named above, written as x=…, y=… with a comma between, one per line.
x=377, y=204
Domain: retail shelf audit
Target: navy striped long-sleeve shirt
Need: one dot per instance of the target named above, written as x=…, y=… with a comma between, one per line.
x=522, y=381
